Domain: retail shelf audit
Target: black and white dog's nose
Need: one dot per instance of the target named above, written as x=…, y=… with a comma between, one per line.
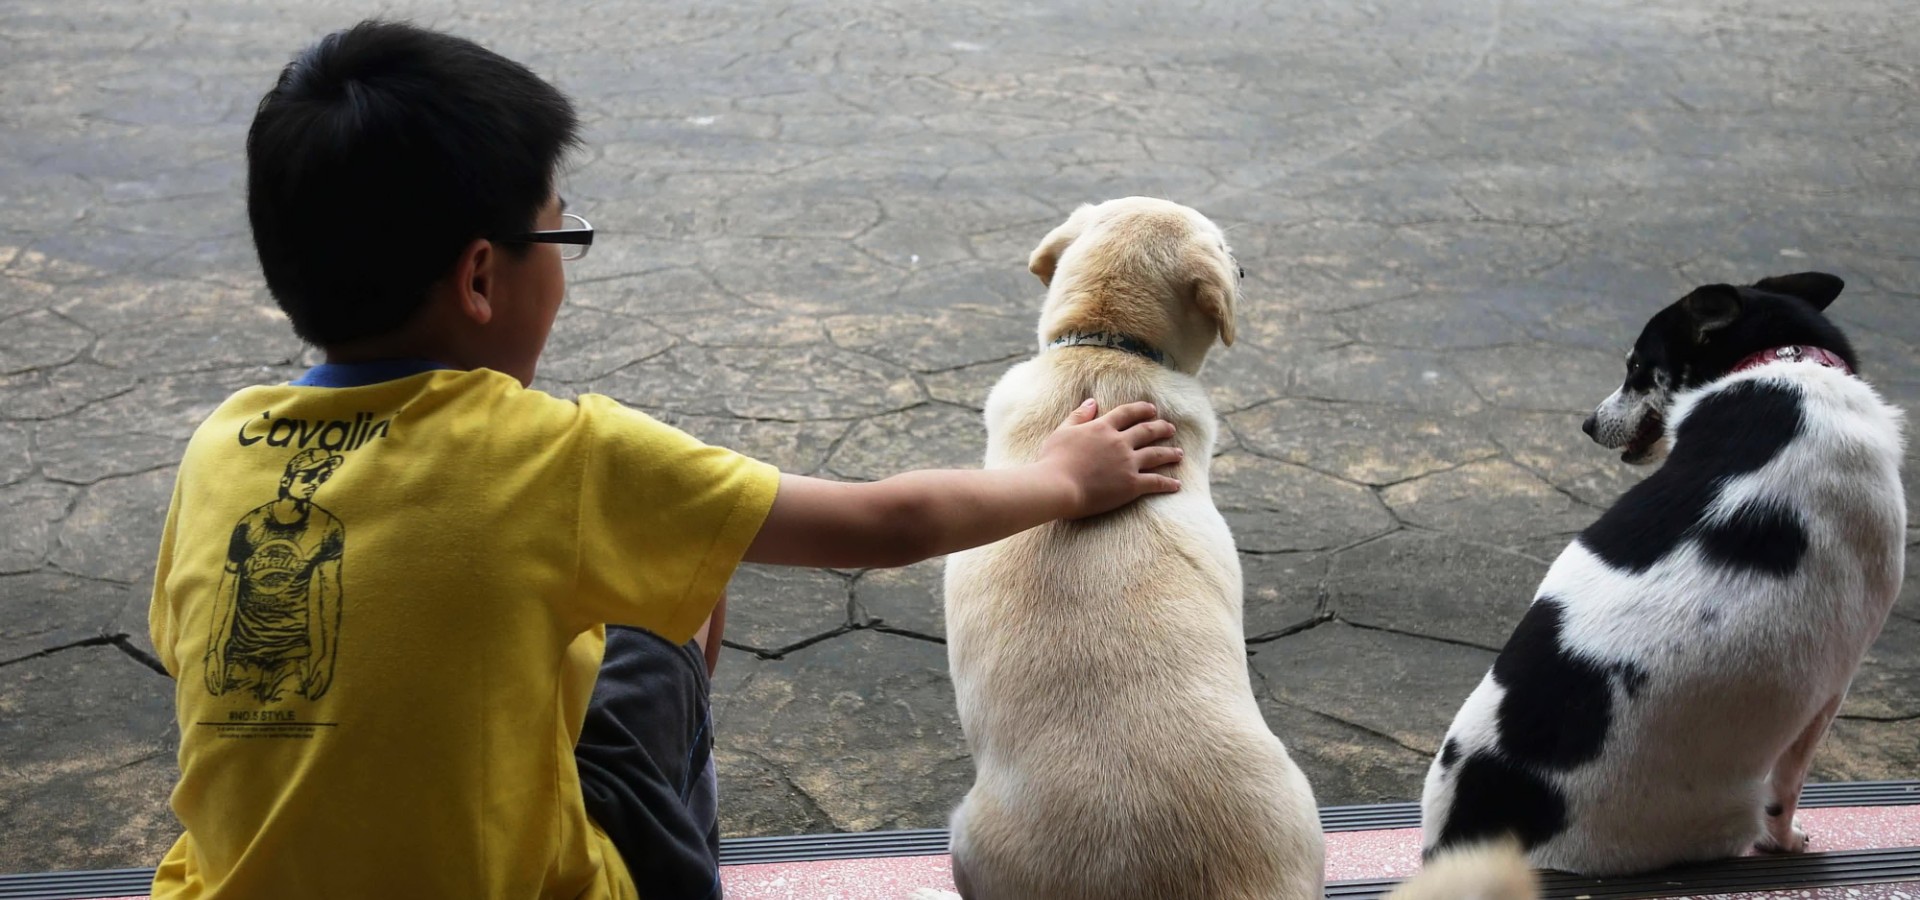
x=1587, y=426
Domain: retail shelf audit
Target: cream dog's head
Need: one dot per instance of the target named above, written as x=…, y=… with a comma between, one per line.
x=1147, y=270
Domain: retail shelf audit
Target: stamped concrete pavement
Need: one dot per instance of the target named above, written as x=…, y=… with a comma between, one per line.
x=813, y=220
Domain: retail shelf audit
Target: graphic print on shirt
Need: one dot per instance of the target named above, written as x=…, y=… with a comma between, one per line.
x=276, y=620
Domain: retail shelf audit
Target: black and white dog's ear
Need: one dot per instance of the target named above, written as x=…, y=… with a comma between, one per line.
x=1817, y=288
x=1711, y=308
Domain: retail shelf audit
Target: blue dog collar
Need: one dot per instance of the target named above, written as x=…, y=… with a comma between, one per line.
x=1110, y=341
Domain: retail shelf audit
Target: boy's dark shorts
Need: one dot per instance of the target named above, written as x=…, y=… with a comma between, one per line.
x=646, y=764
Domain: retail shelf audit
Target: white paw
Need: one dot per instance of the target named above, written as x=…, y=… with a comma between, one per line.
x=1795, y=842
x=931, y=894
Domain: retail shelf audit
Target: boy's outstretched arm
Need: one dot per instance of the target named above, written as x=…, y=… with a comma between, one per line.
x=1089, y=465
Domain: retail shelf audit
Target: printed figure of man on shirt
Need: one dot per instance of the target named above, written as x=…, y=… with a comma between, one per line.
x=278, y=614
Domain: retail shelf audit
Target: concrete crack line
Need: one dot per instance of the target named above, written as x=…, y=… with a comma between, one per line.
x=833, y=447
x=1376, y=404
x=82, y=576
x=658, y=411
x=98, y=641
x=44, y=368
x=723, y=700
x=1011, y=357
x=1260, y=404
x=813, y=805
x=605, y=311
x=148, y=757
x=1440, y=471
x=1317, y=620
x=126, y=645
x=1507, y=453
x=1406, y=115
x=856, y=612
x=1495, y=548
x=1455, y=370
x=623, y=366
x=1362, y=542
x=30, y=310
x=880, y=625
x=803, y=643
x=1241, y=445
x=1414, y=634
x=1423, y=754
x=110, y=477
x=1321, y=549
x=119, y=639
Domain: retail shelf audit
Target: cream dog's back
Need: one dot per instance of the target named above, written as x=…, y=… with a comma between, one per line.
x=1100, y=668
x=1100, y=665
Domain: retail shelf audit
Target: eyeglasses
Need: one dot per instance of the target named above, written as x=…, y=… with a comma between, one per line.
x=573, y=241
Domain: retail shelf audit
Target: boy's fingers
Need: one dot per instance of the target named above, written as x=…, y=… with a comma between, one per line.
x=1158, y=484
x=1148, y=432
x=1083, y=413
x=1131, y=414
x=1155, y=457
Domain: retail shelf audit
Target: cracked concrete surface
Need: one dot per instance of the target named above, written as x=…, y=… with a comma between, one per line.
x=814, y=220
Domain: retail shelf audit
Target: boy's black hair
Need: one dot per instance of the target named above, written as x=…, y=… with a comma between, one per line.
x=381, y=152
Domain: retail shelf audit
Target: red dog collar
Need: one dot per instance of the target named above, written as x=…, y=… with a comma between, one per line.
x=1793, y=353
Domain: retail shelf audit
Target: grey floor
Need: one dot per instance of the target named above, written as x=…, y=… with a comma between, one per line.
x=813, y=223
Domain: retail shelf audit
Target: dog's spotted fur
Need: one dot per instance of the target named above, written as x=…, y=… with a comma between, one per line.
x=1661, y=699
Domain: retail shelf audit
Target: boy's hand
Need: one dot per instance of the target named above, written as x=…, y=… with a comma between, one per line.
x=1108, y=461
x=1089, y=465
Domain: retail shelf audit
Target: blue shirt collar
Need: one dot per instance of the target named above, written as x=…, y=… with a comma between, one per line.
x=361, y=374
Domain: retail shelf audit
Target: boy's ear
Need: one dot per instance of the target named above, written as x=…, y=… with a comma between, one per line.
x=473, y=280
x=1046, y=257
x=1711, y=308
x=1817, y=288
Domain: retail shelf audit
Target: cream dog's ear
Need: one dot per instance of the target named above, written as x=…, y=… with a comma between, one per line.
x=1046, y=257
x=1214, y=293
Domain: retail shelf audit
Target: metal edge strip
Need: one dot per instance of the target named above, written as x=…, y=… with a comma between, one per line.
x=1748, y=874
x=1813, y=796
x=930, y=841
x=1822, y=868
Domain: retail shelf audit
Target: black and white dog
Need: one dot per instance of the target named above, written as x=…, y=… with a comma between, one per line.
x=1662, y=697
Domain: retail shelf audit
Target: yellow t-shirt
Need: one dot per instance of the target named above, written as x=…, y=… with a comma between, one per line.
x=383, y=607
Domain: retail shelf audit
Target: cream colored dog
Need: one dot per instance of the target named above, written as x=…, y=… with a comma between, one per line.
x=1100, y=665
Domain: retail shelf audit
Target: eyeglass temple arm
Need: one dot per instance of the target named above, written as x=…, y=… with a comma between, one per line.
x=581, y=236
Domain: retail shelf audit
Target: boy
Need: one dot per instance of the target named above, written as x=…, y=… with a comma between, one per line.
x=384, y=589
